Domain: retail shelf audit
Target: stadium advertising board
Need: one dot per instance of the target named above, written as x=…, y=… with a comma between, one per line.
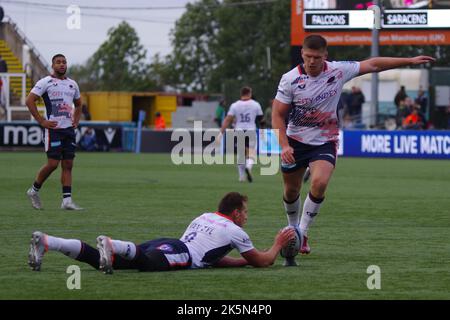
x=30, y=135
x=386, y=144
x=342, y=25
x=397, y=144
x=353, y=143
x=363, y=19
x=268, y=142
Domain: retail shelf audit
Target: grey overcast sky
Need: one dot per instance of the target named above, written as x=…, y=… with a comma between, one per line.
x=44, y=22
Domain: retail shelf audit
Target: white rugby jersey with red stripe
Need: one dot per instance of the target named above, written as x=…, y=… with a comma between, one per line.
x=212, y=236
x=313, y=118
x=58, y=96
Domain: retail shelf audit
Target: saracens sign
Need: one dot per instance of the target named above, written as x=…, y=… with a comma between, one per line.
x=416, y=19
x=405, y=19
x=401, y=27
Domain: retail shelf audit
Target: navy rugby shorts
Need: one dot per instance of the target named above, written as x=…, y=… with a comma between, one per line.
x=171, y=253
x=305, y=153
x=60, y=143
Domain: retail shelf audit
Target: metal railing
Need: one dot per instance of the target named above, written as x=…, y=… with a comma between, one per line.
x=24, y=38
x=6, y=93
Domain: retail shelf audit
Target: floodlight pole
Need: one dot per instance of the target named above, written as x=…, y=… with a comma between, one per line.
x=374, y=52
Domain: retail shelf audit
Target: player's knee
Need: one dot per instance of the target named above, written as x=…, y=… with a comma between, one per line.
x=52, y=165
x=318, y=186
x=290, y=193
x=67, y=165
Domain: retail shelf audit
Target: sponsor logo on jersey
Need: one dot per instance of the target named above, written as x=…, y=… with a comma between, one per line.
x=304, y=101
x=55, y=143
x=295, y=81
x=165, y=247
x=299, y=79
x=65, y=108
x=302, y=84
x=325, y=95
x=128, y=251
x=331, y=80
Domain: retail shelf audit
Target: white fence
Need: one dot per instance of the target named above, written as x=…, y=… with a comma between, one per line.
x=5, y=95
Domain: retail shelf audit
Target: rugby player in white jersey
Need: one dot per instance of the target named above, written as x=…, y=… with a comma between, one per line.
x=206, y=243
x=59, y=93
x=246, y=112
x=308, y=96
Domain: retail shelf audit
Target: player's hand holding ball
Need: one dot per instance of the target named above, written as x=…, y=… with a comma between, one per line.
x=291, y=248
x=285, y=236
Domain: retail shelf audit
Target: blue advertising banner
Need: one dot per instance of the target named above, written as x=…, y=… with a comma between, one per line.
x=268, y=142
x=397, y=144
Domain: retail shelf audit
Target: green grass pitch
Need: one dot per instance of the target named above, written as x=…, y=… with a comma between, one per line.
x=391, y=213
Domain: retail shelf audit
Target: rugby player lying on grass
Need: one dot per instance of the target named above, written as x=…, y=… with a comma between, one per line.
x=205, y=243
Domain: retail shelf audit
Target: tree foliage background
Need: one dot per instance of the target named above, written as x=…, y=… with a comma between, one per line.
x=219, y=46
x=119, y=64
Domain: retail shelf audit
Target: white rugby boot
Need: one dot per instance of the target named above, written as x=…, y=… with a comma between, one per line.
x=38, y=247
x=35, y=199
x=106, y=250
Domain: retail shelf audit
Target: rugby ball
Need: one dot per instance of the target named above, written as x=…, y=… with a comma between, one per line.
x=293, y=247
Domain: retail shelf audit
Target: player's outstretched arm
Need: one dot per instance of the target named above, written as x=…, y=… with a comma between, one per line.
x=263, y=259
x=379, y=64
